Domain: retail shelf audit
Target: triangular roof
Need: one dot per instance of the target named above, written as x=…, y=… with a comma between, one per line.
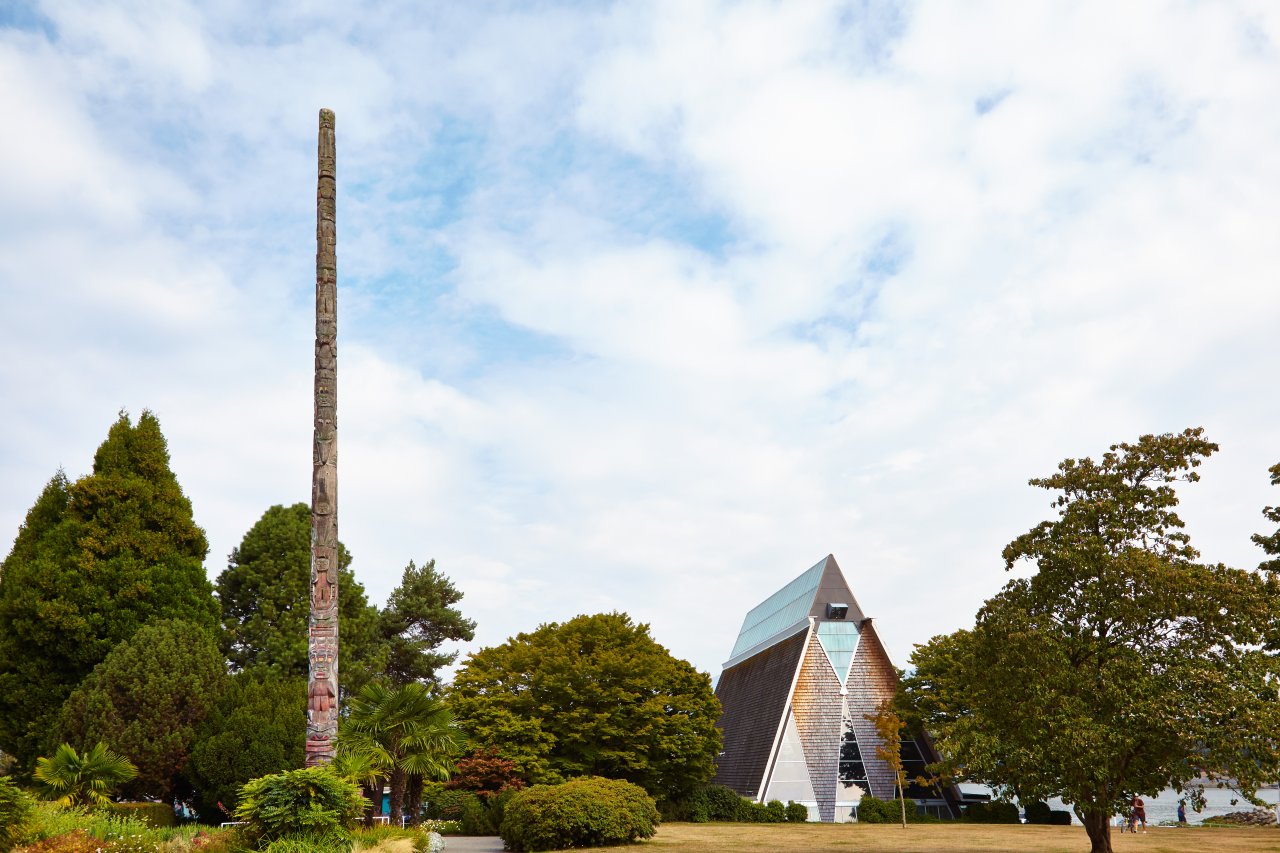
x=787, y=611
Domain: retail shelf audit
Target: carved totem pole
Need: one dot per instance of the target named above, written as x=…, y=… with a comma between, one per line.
x=322, y=642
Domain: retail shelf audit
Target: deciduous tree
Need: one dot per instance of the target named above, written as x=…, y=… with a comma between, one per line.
x=1271, y=544
x=1122, y=665
x=594, y=696
x=94, y=560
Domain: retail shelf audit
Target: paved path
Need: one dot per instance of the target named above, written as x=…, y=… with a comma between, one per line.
x=472, y=844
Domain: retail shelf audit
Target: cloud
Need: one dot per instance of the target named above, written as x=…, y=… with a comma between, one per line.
x=650, y=306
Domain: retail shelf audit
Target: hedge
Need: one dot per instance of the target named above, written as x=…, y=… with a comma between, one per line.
x=993, y=812
x=586, y=812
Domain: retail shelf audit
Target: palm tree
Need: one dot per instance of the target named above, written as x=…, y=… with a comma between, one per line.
x=402, y=733
x=73, y=779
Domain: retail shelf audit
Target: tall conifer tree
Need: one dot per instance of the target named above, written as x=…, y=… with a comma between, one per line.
x=93, y=562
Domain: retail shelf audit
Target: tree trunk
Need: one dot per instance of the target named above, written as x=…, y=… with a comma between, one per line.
x=397, y=795
x=902, y=798
x=1098, y=826
x=415, y=799
x=374, y=796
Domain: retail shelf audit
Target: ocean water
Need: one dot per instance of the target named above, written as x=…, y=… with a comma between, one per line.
x=1164, y=807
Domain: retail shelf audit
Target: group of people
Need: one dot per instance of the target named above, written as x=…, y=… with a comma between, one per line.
x=1138, y=815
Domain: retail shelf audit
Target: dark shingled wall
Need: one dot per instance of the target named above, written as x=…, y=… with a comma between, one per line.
x=753, y=696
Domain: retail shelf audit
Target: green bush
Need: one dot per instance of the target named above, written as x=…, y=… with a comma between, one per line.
x=586, y=812
x=475, y=818
x=1037, y=812
x=875, y=810
x=1060, y=817
x=723, y=803
x=797, y=812
x=310, y=803
x=993, y=812
x=152, y=814
x=15, y=812
x=444, y=803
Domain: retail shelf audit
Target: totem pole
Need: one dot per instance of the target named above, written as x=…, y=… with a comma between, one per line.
x=322, y=641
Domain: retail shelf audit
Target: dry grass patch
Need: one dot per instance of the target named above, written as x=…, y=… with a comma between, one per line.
x=947, y=838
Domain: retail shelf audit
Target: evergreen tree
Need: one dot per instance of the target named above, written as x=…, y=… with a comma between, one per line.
x=94, y=560
x=255, y=729
x=266, y=601
x=146, y=700
x=419, y=616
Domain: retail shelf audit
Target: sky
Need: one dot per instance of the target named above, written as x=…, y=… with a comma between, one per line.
x=649, y=306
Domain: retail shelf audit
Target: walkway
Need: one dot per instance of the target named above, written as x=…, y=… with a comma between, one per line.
x=472, y=844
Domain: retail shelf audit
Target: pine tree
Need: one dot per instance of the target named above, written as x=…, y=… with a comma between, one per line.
x=94, y=560
x=419, y=616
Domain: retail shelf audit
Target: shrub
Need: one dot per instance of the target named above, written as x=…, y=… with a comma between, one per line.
x=1037, y=812
x=723, y=803
x=797, y=812
x=152, y=814
x=875, y=810
x=1060, y=817
x=15, y=812
x=776, y=812
x=475, y=819
x=76, y=841
x=994, y=812
x=586, y=812
x=310, y=803
x=445, y=804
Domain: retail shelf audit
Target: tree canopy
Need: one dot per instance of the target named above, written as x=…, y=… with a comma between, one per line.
x=256, y=728
x=594, y=696
x=1122, y=665
x=93, y=561
x=419, y=616
x=265, y=593
x=1271, y=543
x=147, y=700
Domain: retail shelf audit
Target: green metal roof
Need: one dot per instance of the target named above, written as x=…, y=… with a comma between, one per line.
x=786, y=607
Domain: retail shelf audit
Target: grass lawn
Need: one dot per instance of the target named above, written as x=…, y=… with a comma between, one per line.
x=947, y=838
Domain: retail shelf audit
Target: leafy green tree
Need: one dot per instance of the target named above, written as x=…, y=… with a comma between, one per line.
x=1271, y=544
x=256, y=728
x=266, y=600
x=76, y=779
x=94, y=560
x=147, y=699
x=405, y=733
x=1122, y=665
x=594, y=696
x=419, y=616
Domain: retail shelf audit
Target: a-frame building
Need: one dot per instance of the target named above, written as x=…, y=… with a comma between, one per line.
x=805, y=670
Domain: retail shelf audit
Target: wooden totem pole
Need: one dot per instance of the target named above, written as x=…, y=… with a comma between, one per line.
x=322, y=640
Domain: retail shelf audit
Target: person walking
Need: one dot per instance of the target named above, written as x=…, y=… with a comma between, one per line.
x=1182, y=812
x=1138, y=814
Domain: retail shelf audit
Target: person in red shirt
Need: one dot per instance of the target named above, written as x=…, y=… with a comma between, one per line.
x=1137, y=814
